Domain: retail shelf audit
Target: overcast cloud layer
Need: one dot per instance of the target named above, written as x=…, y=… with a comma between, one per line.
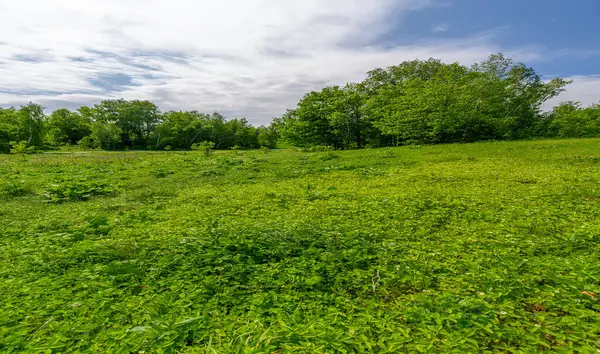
x=252, y=58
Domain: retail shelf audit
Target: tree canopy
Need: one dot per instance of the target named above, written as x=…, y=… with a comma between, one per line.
x=415, y=102
x=425, y=102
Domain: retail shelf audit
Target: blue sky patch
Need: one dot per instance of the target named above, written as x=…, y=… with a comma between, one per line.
x=109, y=82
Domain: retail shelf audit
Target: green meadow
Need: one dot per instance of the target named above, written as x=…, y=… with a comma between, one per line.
x=466, y=248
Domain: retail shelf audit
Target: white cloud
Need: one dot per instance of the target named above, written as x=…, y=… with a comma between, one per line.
x=440, y=28
x=253, y=58
x=584, y=89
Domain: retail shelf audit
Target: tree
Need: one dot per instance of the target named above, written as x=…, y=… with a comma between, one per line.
x=513, y=94
x=240, y=133
x=180, y=130
x=308, y=124
x=400, y=103
x=31, y=124
x=334, y=117
x=268, y=136
x=9, y=128
x=571, y=120
x=136, y=119
x=66, y=127
x=107, y=136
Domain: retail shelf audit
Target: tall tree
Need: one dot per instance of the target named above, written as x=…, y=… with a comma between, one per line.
x=32, y=119
x=9, y=128
x=136, y=119
x=67, y=127
x=571, y=120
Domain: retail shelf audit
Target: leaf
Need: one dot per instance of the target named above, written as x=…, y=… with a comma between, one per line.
x=184, y=322
x=139, y=329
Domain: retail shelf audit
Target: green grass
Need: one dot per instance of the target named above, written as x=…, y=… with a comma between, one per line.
x=491, y=247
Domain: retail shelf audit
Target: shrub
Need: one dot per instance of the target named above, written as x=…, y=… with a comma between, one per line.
x=206, y=147
x=86, y=143
x=329, y=156
x=77, y=190
x=21, y=148
x=15, y=188
x=161, y=173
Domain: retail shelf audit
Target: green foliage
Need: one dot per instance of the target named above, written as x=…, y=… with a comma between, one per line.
x=66, y=127
x=161, y=173
x=570, y=120
x=13, y=187
x=206, y=147
x=106, y=135
x=9, y=128
x=317, y=148
x=77, y=189
x=122, y=124
x=31, y=124
x=268, y=136
x=485, y=247
x=21, y=148
x=86, y=142
x=415, y=102
x=181, y=129
x=135, y=119
x=420, y=102
x=184, y=129
x=25, y=124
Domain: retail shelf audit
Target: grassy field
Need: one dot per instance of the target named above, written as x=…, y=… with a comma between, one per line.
x=491, y=247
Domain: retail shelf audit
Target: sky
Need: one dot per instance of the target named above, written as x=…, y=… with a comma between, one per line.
x=257, y=58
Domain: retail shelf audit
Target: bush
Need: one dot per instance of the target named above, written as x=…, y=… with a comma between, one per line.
x=21, y=148
x=206, y=147
x=15, y=188
x=77, y=190
x=329, y=156
x=161, y=173
x=86, y=143
x=4, y=147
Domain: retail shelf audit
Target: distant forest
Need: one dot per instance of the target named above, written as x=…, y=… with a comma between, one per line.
x=416, y=102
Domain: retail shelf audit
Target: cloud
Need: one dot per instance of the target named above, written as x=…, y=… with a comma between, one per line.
x=584, y=89
x=29, y=58
x=440, y=28
x=251, y=58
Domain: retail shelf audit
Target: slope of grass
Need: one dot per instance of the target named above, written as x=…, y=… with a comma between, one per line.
x=491, y=247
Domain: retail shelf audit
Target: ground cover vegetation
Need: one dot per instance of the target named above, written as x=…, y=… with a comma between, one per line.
x=483, y=247
x=416, y=102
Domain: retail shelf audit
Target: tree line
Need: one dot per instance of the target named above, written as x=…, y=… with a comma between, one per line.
x=430, y=102
x=416, y=102
x=121, y=124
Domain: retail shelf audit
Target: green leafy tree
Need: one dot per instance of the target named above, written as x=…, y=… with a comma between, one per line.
x=31, y=124
x=67, y=127
x=9, y=128
x=571, y=120
x=136, y=119
x=106, y=136
x=240, y=133
x=332, y=117
x=512, y=94
x=206, y=147
x=308, y=124
x=180, y=130
x=268, y=136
